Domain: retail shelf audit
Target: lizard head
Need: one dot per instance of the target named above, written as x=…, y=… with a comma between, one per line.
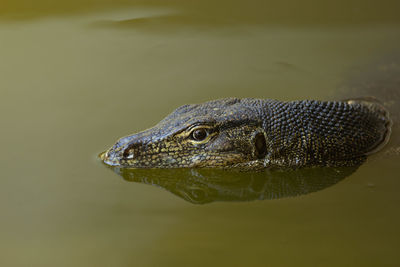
x=219, y=133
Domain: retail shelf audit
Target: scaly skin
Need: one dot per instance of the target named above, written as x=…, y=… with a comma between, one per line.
x=256, y=133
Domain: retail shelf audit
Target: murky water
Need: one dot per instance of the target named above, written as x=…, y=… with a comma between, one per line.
x=76, y=76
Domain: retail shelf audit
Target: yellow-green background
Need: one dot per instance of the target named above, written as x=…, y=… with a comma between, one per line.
x=77, y=75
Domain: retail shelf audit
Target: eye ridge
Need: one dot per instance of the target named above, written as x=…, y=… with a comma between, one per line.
x=199, y=134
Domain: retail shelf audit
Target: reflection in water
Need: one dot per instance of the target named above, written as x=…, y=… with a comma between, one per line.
x=201, y=186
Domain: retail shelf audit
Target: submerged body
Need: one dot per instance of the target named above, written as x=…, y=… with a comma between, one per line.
x=257, y=133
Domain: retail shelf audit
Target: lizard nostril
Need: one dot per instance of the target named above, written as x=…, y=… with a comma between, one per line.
x=103, y=155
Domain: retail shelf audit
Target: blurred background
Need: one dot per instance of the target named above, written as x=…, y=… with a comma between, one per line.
x=77, y=75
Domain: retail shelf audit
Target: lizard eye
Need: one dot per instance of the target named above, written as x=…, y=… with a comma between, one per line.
x=199, y=134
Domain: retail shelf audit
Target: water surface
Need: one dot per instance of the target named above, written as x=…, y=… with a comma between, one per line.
x=76, y=76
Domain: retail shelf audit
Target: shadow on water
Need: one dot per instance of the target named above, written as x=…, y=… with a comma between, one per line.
x=200, y=186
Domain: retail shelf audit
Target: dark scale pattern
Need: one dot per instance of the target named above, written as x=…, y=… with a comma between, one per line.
x=256, y=133
x=304, y=133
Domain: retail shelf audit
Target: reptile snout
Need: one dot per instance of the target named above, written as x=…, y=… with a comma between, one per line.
x=109, y=158
x=114, y=155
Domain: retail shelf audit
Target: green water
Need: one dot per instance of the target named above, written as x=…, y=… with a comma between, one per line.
x=77, y=75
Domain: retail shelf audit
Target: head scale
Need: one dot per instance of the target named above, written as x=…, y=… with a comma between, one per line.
x=220, y=133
